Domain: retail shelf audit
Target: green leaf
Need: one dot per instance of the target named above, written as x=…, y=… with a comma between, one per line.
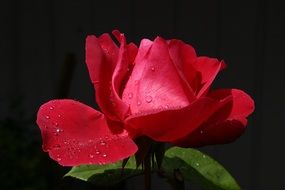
x=105, y=175
x=198, y=168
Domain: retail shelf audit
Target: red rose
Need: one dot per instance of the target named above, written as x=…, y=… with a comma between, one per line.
x=160, y=90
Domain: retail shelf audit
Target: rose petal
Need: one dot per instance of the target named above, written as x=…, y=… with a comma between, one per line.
x=169, y=125
x=75, y=134
x=132, y=52
x=208, y=69
x=105, y=64
x=242, y=105
x=225, y=125
x=198, y=71
x=154, y=83
x=184, y=56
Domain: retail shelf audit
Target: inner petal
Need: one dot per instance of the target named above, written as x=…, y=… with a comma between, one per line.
x=154, y=82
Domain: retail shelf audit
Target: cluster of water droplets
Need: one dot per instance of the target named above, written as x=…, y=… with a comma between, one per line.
x=55, y=125
x=73, y=147
x=98, y=147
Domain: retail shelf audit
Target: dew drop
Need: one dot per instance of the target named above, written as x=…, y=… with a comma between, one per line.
x=58, y=115
x=51, y=108
x=204, y=156
x=97, y=152
x=167, y=106
x=201, y=131
x=56, y=124
x=91, y=156
x=139, y=103
x=197, y=164
x=56, y=146
x=57, y=131
x=148, y=99
x=104, y=155
x=47, y=117
x=130, y=95
x=58, y=159
x=152, y=69
x=102, y=143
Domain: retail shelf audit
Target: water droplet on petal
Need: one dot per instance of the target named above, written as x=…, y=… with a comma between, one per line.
x=139, y=103
x=130, y=95
x=104, y=155
x=204, y=156
x=91, y=156
x=56, y=124
x=148, y=99
x=102, y=143
x=47, y=117
x=56, y=146
x=201, y=131
x=152, y=69
x=51, y=108
x=57, y=131
x=97, y=152
x=197, y=164
x=58, y=159
x=167, y=106
x=58, y=115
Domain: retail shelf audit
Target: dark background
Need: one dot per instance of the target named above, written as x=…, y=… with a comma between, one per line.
x=38, y=39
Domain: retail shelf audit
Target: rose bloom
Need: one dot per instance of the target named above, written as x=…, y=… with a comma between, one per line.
x=160, y=89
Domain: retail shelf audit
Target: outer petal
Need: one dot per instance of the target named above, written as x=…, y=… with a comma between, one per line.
x=208, y=68
x=107, y=67
x=184, y=56
x=75, y=134
x=225, y=125
x=154, y=83
x=198, y=71
x=169, y=125
x=122, y=69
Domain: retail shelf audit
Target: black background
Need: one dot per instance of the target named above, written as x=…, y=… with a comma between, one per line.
x=38, y=37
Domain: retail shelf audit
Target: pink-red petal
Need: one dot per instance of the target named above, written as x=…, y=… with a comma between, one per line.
x=183, y=57
x=75, y=134
x=154, y=83
x=198, y=71
x=106, y=63
x=208, y=68
x=168, y=124
x=225, y=125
